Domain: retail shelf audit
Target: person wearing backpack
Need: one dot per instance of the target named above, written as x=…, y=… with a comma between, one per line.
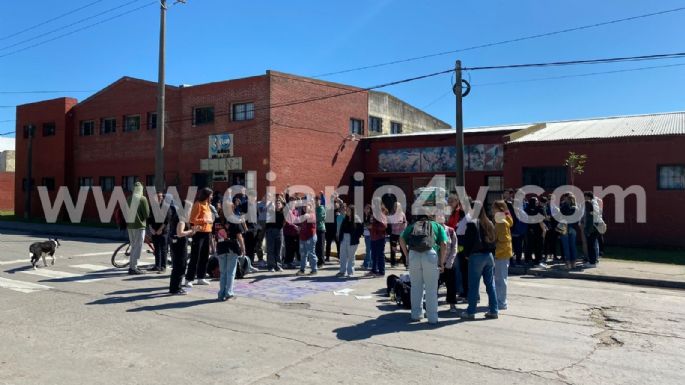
x=425, y=242
x=479, y=244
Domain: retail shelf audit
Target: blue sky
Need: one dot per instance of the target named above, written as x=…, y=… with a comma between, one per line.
x=211, y=40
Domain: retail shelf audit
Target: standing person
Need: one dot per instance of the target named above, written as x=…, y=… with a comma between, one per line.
x=503, y=250
x=201, y=218
x=449, y=275
x=551, y=236
x=229, y=246
x=590, y=230
x=180, y=231
x=320, y=229
x=462, y=260
x=479, y=244
x=368, y=216
x=422, y=241
x=519, y=229
x=308, y=240
x=261, y=230
x=568, y=230
x=136, y=228
x=379, y=223
x=351, y=230
x=332, y=229
x=534, y=235
x=159, y=232
x=291, y=233
x=398, y=222
x=274, y=234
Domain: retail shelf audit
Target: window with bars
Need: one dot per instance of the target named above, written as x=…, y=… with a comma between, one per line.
x=549, y=178
x=375, y=124
x=49, y=183
x=151, y=120
x=49, y=129
x=356, y=126
x=395, y=128
x=85, y=181
x=671, y=177
x=243, y=111
x=203, y=115
x=131, y=123
x=127, y=182
x=107, y=183
x=108, y=125
x=87, y=128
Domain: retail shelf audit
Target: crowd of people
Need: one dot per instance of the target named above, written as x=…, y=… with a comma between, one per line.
x=455, y=246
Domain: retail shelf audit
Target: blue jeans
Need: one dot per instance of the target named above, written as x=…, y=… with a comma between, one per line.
x=423, y=271
x=501, y=275
x=368, y=261
x=481, y=264
x=307, y=250
x=568, y=242
x=227, y=265
x=378, y=256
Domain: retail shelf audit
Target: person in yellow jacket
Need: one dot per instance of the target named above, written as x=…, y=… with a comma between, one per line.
x=201, y=219
x=503, y=250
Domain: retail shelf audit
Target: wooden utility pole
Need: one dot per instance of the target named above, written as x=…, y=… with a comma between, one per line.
x=459, y=125
x=159, y=150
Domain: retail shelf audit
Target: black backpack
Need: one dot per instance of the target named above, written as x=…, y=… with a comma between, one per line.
x=421, y=237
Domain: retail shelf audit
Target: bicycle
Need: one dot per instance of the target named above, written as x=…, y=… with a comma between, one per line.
x=122, y=255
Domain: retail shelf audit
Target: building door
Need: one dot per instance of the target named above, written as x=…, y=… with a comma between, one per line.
x=200, y=180
x=238, y=179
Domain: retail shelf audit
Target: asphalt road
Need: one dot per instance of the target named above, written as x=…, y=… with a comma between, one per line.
x=83, y=322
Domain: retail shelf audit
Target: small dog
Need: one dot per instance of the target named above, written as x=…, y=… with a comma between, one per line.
x=38, y=250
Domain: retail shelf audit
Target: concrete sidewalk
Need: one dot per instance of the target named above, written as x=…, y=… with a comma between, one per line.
x=61, y=230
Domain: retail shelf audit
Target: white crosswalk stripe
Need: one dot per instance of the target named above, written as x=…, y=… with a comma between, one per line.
x=94, y=268
x=56, y=274
x=22, y=287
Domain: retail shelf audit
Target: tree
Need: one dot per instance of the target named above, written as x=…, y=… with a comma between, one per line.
x=575, y=164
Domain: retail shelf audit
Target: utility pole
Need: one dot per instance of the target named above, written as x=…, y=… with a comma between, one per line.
x=29, y=174
x=459, y=126
x=159, y=151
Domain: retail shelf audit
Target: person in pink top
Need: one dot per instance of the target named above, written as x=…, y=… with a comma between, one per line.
x=307, y=224
x=398, y=222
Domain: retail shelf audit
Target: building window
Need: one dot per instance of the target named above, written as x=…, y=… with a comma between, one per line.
x=23, y=184
x=203, y=115
x=29, y=130
x=131, y=123
x=48, y=129
x=495, y=183
x=395, y=128
x=49, y=183
x=357, y=126
x=149, y=180
x=127, y=182
x=108, y=126
x=87, y=128
x=85, y=181
x=151, y=120
x=107, y=183
x=671, y=177
x=243, y=111
x=375, y=124
x=548, y=178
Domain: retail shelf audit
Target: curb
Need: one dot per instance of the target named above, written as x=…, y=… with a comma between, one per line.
x=606, y=278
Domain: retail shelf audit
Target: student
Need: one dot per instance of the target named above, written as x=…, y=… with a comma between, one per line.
x=379, y=223
x=332, y=228
x=320, y=229
x=590, y=229
x=274, y=234
x=136, y=228
x=425, y=242
x=451, y=265
x=478, y=246
x=368, y=216
x=568, y=230
x=519, y=229
x=307, y=223
x=180, y=231
x=291, y=233
x=229, y=246
x=534, y=235
x=159, y=232
x=503, y=250
x=398, y=222
x=351, y=230
x=200, y=216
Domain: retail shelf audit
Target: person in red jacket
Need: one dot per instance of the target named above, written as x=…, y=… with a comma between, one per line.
x=379, y=224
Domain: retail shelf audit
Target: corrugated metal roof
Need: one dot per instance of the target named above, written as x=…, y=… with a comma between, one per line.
x=452, y=131
x=672, y=123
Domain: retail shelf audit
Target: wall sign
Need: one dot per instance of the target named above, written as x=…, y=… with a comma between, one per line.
x=220, y=146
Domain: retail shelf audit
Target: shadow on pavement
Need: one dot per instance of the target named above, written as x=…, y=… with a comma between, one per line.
x=386, y=324
x=139, y=290
x=172, y=305
x=119, y=299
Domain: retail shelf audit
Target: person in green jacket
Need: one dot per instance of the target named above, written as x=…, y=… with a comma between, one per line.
x=136, y=226
x=320, y=229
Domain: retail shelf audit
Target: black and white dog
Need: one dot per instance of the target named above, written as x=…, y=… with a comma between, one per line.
x=39, y=250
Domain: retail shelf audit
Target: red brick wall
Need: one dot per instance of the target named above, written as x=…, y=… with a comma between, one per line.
x=310, y=141
x=6, y=191
x=622, y=162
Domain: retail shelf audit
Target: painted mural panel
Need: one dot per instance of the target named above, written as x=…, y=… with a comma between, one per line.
x=399, y=160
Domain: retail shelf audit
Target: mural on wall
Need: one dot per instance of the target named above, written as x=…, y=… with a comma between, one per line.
x=477, y=157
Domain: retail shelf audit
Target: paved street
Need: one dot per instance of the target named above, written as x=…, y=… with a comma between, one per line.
x=83, y=322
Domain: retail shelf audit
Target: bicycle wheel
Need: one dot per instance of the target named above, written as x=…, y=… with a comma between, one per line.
x=122, y=256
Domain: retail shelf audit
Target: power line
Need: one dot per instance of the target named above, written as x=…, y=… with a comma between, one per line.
x=68, y=25
x=502, y=42
x=581, y=62
x=50, y=20
x=7, y=133
x=79, y=29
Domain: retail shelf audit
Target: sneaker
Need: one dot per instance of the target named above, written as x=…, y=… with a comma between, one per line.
x=339, y=275
x=590, y=265
x=542, y=265
x=253, y=270
x=453, y=309
x=271, y=270
x=135, y=272
x=153, y=268
x=370, y=274
x=491, y=316
x=180, y=292
x=161, y=270
x=279, y=269
x=349, y=275
x=300, y=273
x=202, y=282
x=314, y=273
x=468, y=316
x=188, y=284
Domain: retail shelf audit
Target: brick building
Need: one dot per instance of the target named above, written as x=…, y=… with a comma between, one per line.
x=7, y=164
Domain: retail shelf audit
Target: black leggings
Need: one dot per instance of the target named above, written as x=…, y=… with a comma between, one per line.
x=179, y=255
x=292, y=248
x=450, y=279
x=199, y=254
x=330, y=238
x=394, y=245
